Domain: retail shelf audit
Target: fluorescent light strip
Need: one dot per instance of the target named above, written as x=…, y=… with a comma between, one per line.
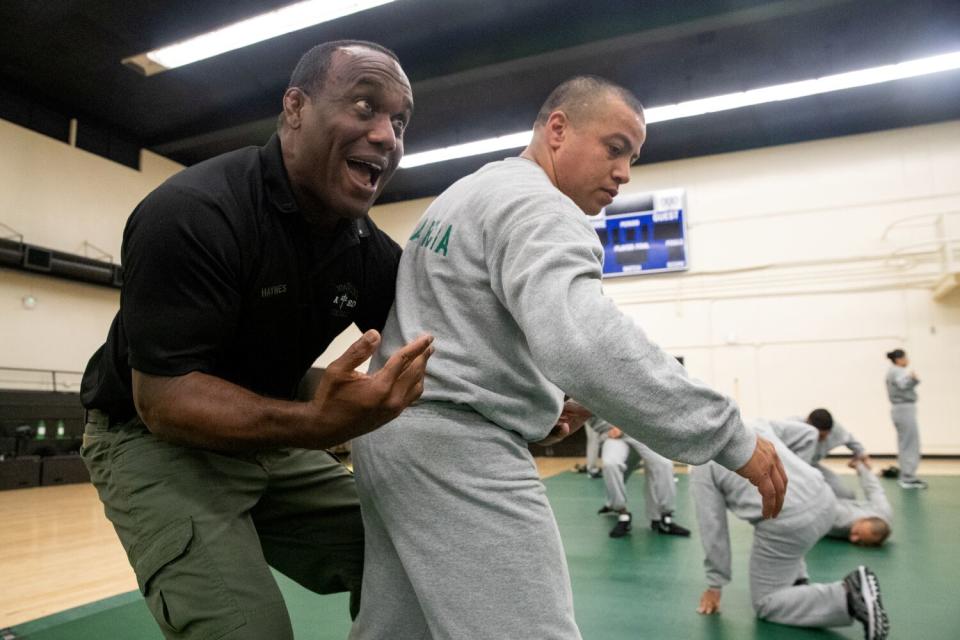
x=788, y=91
x=246, y=32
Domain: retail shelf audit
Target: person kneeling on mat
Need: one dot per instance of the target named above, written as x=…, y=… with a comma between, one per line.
x=780, y=588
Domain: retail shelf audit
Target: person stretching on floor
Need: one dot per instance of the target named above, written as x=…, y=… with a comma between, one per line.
x=780, y=589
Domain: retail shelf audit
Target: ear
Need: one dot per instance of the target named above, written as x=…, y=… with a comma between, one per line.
x=556, y=129
x=294, y=99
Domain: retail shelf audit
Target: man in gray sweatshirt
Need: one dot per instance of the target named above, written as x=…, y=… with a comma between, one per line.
x=504, y=270
x=779, y=585
x=865, y=522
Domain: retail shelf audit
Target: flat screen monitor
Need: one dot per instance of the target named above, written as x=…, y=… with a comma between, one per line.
x=644, y=233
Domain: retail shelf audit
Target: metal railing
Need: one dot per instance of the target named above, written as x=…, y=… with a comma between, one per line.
x=25, y=379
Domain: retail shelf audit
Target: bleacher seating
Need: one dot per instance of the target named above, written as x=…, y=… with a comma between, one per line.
x=26, y=458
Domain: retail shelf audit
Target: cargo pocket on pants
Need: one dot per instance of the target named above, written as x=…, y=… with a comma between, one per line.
x=181, y=585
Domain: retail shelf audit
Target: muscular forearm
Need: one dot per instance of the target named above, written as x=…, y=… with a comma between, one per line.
x=205, y=411
x=201, y=410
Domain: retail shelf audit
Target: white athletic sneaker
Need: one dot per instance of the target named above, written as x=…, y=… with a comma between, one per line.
x=863, y=602
x=623, y=526
x=913, y=483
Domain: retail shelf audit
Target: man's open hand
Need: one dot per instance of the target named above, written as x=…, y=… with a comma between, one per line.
x=765, y=471
x=709, y=602
x=361, y=402
x=571, y=419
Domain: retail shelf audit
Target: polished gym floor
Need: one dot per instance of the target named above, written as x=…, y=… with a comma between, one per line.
x=64, y=575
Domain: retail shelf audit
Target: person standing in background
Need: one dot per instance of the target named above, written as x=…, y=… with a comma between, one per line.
x=901, y=388
x=621, y=457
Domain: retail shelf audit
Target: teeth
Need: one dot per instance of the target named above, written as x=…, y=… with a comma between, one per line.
x=368, y=164
x=374, y=170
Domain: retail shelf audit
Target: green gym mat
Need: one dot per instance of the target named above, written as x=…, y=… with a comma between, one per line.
x=646, y=585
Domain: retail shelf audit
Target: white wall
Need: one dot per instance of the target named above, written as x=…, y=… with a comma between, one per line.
x=58, y=197
x=791, y=302
x=793, y=299
x=808, y=324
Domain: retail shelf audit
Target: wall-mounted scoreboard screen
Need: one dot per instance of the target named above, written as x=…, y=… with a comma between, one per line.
x=644, y=233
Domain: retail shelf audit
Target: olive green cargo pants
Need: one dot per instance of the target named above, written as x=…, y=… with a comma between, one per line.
x=201, y=528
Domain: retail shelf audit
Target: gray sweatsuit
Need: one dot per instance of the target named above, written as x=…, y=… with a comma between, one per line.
x=848, y=510
x=593, y=446
x=800, y=437
x=779, y=545
x=875, y=505
x=621, y=457
x=901, y=389
x=837, y=436
x=504, y=270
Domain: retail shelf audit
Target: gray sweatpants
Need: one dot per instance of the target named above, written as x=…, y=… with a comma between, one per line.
x=621, y=457
x=460, y=539
x=777, y=561
x=908, y=438
x=836, y=483
x=593, y=448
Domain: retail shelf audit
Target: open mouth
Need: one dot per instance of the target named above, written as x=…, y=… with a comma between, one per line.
x=367, y=172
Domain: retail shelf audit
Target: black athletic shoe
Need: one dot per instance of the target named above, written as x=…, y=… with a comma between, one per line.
x=606, y=510
x=667, y=526
x=891, y=472
x=913, y=483
x=622, y=527
x=863, y=603
x=580, y=468
x=594, y=473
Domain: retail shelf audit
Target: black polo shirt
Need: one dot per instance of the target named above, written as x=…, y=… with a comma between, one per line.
x=222, y=274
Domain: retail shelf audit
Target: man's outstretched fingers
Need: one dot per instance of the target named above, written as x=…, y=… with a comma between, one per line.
x=780, y=486
x=409, y=385
x=783, y=474
x=402, y=358
x=769, y=496
x=357, y=353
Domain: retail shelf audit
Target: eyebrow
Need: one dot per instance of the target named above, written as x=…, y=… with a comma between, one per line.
x=372, y=81
x=622, y=138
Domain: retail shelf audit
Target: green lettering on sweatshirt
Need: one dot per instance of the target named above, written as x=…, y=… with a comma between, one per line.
x=416, y=232
x=445, y=241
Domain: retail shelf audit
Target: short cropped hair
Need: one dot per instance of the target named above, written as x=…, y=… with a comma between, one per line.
x=578, y=96
x=895, y=355
x=880, y=530
x=311, y=71
x=821, y=419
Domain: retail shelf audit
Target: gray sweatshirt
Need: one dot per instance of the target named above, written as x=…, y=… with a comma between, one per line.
x=900, y=385
x=876, y=505
x=800, y=437
x=504, y=270
x=715, y=490
x=836, y=437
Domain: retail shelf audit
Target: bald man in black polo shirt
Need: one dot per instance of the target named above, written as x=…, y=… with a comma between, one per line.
x=238, y=273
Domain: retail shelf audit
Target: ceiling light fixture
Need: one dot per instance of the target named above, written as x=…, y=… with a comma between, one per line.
x=246, y=32
x=775, y=93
